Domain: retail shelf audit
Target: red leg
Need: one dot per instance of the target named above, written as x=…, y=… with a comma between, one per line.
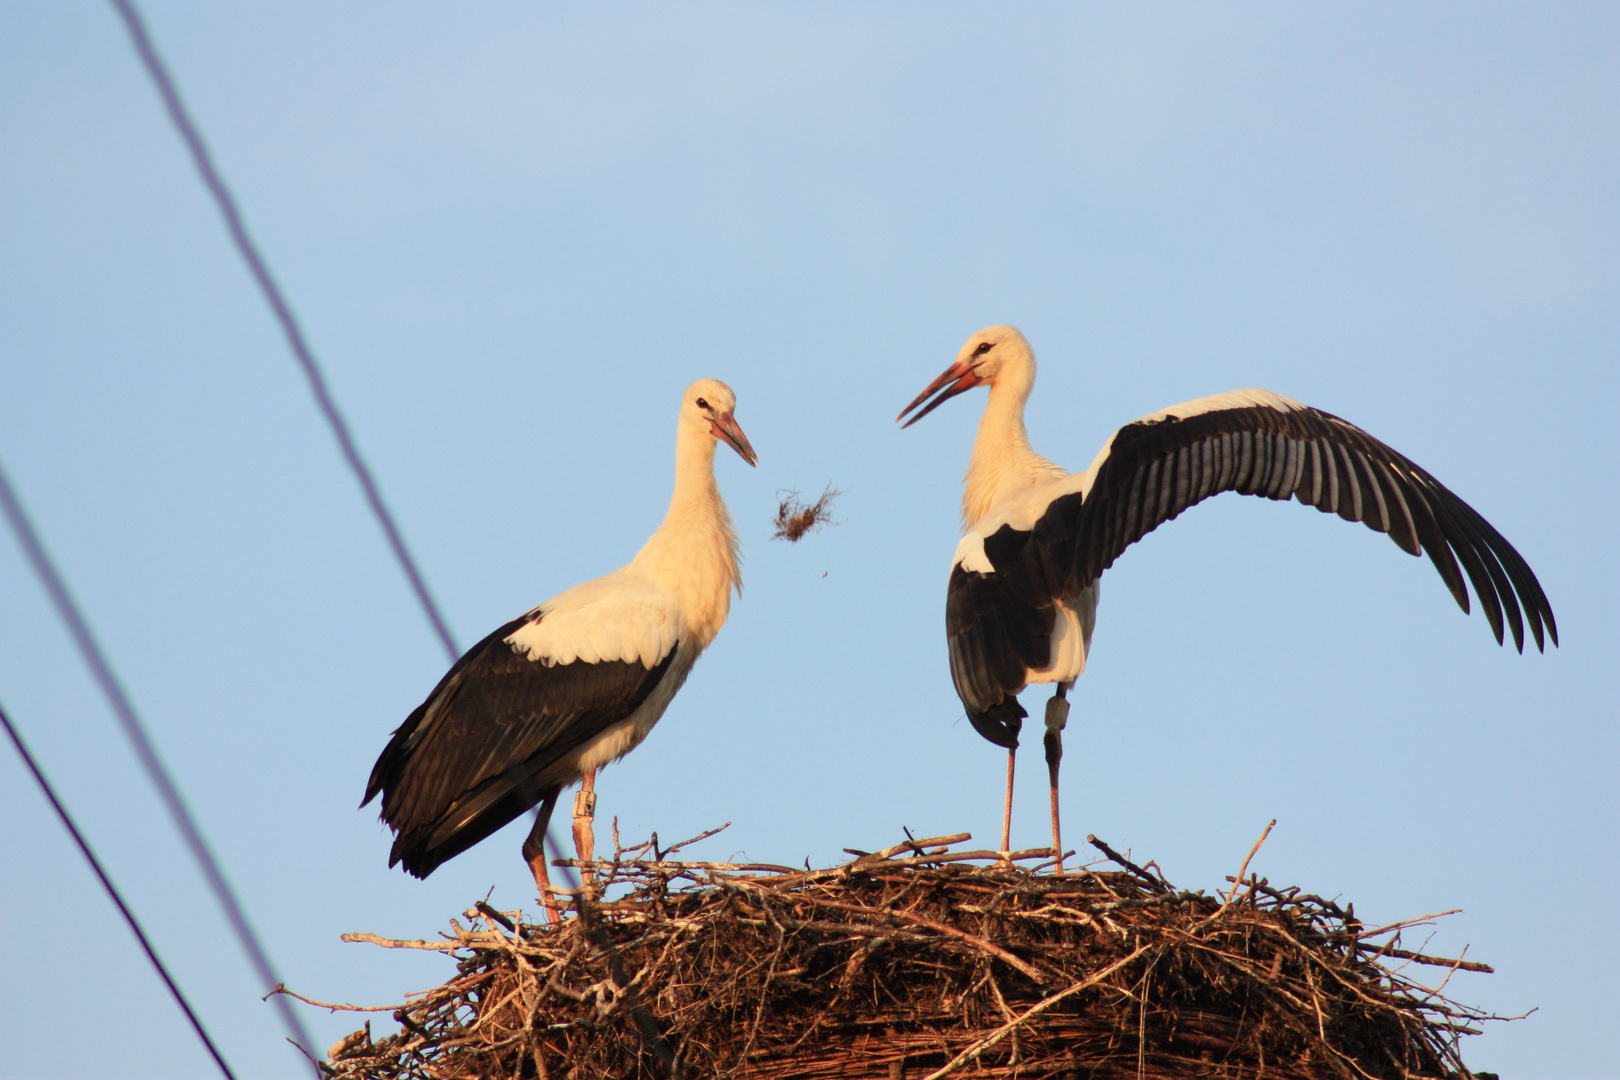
x=584, y=834
x=1006, y=813
x=534, y=853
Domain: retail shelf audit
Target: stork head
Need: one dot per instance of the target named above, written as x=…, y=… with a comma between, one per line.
x=706, y=411
x=986, y=357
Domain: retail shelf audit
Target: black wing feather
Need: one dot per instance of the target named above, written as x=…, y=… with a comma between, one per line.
x=466, y=761
x=998, y=623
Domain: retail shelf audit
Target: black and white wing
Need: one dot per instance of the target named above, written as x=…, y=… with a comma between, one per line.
x=1048, y=545
x=472, y=757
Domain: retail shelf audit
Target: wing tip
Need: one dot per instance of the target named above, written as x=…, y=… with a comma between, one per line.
x=1000, y=723
x=414, y=857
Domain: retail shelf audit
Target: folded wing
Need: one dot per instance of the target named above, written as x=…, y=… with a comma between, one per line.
x=473, y=756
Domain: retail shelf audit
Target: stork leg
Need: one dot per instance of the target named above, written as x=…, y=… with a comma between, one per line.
x=1006, y=813
x=584, y=834
x=534, y=852
x=1057, y=717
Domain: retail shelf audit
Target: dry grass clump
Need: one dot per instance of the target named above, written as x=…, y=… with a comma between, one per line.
x=795, y=518
x=921, y=962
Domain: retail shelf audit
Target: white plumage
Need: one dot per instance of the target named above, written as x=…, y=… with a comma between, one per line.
x=623, y=616
x=1022, y=599
x=573, y=683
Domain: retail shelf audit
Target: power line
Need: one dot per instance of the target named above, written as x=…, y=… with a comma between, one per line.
x=122, y=708
x=112, y=891
x=283, y=313
x=323, y=397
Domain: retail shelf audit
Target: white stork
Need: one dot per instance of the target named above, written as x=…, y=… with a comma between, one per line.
x=1022, y=599
x=573, y=684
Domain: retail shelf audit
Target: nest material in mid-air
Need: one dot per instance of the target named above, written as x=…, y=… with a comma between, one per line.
x=796, y=518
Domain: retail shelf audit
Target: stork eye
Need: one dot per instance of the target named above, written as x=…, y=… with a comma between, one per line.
x=703, y=404
x=984, y=347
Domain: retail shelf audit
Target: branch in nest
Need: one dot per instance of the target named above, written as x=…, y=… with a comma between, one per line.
x=796, y=518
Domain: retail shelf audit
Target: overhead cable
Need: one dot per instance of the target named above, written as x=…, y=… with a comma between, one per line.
x=284, y=315
x=317, y=380
x=112, y=891
x=282, y=311
x=34, y=548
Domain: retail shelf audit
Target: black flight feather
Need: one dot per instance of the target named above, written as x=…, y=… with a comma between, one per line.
x=467, y=760
x=999, y=623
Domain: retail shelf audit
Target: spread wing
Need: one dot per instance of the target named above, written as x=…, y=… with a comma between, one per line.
x=1052, y=542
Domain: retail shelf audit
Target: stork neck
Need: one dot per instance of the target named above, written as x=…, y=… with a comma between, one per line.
x=694, y=552
x=696, y=493
x=1003, y=462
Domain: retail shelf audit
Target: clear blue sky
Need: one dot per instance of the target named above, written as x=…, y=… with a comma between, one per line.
x=514, y=233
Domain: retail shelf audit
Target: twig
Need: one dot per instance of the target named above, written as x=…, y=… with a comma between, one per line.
x=281, y=989
x=949, y=931
x=390, y=943
x=1156, y=883
x=1454, y=965
x=1005, y=1029
x=1436, y=961
x=700, y=836
x=646, y=1025
x=1419, y=921
x=490, y=913
x=603, y=865
x=932, y=841
x=1244, y=869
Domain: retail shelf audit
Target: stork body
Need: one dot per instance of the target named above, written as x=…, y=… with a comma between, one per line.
x=572, y=684
x=1022, y=599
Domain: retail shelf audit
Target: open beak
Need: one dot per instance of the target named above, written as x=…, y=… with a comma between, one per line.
x=959, y=377
x=725, y=427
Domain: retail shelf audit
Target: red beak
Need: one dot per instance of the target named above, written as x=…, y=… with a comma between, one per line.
x=725, y=427
x=962, y=377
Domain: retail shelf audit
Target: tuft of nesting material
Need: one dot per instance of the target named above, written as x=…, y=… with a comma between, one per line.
x=796, y=518
x=916, y=963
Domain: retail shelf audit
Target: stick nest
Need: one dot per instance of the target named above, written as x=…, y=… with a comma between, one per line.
x=919, y=962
